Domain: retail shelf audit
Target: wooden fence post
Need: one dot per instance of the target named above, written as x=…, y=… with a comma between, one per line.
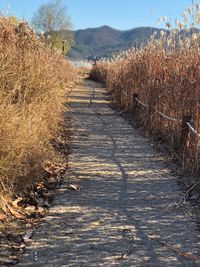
x=126, y=101
x=120, y=98
x=115, y=95
x=185, y=130
x=135, y=103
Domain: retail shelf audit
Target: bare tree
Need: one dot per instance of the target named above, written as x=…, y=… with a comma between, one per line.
x=52, y=19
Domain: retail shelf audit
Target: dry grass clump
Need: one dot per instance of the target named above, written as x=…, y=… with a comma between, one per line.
x=33, y=85
x=99, y=71
x=165, y=75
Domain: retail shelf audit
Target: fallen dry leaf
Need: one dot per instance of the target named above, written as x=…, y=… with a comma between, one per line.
x=14, y=212
x=53, y=168
x=30, y=209
x=94, y=224
x=3, y=217
x=4, y=209
x=73, y=187
x=41, y=187
x=16, y=202
x=28, y=235
x=41, y=211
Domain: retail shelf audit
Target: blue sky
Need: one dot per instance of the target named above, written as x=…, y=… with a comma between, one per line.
x=120, y=14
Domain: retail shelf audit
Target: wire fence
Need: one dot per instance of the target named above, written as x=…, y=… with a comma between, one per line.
x=192, y=129
x=160, y=113
x=188, y=123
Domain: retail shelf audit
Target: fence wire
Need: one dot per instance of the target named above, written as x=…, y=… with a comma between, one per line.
x=141, y=103
x=160, y=113
x=168, y=117
x=192, y=129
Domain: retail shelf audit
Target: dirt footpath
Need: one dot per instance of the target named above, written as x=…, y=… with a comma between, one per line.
x=124, y=213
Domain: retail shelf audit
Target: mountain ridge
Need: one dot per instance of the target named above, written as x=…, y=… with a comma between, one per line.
x=104, y=41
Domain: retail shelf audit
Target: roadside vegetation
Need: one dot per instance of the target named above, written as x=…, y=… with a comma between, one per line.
x=164, y=75
x=34, y=83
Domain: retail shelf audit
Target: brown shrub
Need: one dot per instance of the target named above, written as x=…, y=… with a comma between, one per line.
x=99, y=71
x=33, y=85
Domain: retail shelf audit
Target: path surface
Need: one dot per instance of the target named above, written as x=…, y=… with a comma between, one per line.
x=126, y=198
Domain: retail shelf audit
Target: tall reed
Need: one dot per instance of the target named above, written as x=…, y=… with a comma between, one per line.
x=33, y=85
x=165, y=76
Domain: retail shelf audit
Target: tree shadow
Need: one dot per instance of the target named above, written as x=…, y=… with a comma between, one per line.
x=126, y=198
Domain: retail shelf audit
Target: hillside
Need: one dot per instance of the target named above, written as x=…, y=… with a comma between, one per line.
x=104, y=41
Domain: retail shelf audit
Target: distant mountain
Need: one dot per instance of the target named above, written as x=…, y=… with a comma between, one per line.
x=104, y=41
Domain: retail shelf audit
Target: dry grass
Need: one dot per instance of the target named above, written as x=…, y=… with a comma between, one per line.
x=165, y=75
x=99, y=71
x=33, y=86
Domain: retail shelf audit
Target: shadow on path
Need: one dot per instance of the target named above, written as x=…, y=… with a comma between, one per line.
x=126, y=197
